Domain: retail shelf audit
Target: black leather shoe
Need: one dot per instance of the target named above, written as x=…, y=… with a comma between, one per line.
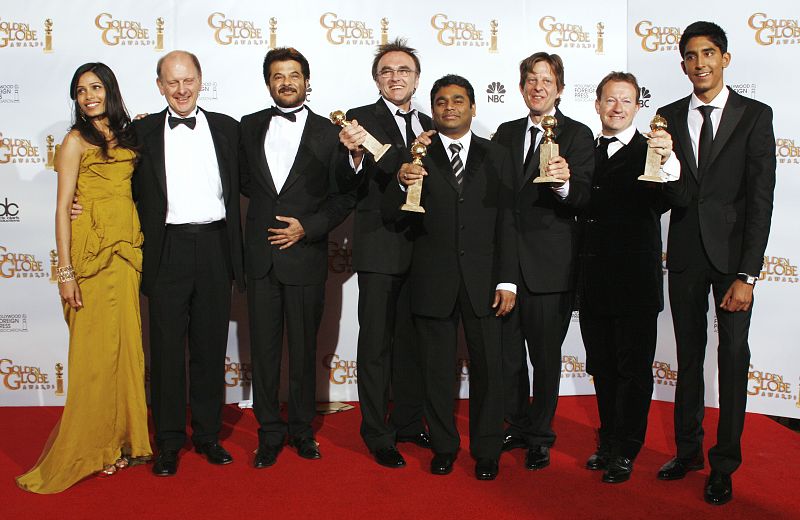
x=266, y=455
x=512, y=442
x=389, y=457
x=677, y=468
x=215, y=454
x=598, y=460
x=537, y=457
x=166, y=463
x=719, y=488
x=422, y=439
x=486, y=469
x=442, y=463
x=307, y=447
x=619, y=469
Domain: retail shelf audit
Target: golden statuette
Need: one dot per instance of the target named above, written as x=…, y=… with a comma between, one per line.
x=384, y=31
x=51, y=152
x=48, y=35
x=548, y=149
x=273, y=36
x=652, y=164
x=370, y=143
x=59, y=379
x=414, y=191
x=159, y=34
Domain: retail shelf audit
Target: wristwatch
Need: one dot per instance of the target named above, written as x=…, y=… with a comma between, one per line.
x=746, y=278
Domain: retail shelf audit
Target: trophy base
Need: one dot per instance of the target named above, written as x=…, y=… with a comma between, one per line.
x=416, y=208
x=651, y=178
x=548, y=179
x=385, y=148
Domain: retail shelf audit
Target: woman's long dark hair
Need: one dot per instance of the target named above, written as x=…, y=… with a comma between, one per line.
x=119, y=122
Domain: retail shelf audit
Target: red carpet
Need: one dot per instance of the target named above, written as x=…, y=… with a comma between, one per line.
x=347, y=484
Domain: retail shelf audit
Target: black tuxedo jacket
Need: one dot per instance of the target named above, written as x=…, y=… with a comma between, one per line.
x=150, y=189
x=309, y=195
x=467, y=232
x=546, y=227
x=727, y=211
x=620, y=254
x=380, y=246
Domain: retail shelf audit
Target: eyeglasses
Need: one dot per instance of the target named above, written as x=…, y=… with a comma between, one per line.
x=401, y=72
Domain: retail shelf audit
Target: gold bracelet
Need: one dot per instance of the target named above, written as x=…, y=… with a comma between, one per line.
x=65, y=274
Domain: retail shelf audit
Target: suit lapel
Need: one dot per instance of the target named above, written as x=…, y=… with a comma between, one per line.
x=154, y=141
x=221, y=148
x=311, y=135
x=678, y=121
x=474, y=161
x=439, y=157
x=386, y=121
x=731, y=115
x=263, y=165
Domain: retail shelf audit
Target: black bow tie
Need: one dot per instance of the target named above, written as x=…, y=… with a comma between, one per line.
x=291, y=116
x=190, y=122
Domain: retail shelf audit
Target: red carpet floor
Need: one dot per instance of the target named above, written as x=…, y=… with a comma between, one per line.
x=347, y=484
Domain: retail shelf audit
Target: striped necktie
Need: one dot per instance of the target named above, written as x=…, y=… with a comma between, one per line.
x=456, y=164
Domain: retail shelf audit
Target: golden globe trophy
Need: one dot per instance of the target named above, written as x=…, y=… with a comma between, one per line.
x=59, y=379
x=548, y=149
x=159, y=34
x=652, y=164
x=51, y=152
x=370, y=143
x=273, y=36
x=53, y=266
x=48, y=35
x=414, y=191
x=384, y=31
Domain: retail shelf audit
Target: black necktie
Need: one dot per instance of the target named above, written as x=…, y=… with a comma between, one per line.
x=706, y=138
x=456, y=164
x=408, y=116
x=290, y=116
x=601, y=152
x=531, y=149
x=190, y=122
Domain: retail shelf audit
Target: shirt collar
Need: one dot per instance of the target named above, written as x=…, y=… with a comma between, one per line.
x=464, y=141
x=539, y=126
x=719, y=100
x=394, y=108
x=623, y=137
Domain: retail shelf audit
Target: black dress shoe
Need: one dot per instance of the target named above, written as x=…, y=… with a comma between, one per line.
x=422, y=439
x=537, y=457
x=619, y=469
x=389, y=457
x=266, y=455
x=598, y=460
x=512, y=442
x=166, y=463
x=215, y=454
x=719, y=488
x=486, y=469
x=677, y=468
x=442, y=463
x=307, y=447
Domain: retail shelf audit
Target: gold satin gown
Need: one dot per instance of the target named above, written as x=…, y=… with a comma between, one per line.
x=105, y=414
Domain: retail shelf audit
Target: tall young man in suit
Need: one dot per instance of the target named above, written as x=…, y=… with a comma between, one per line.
x=717, y=236
x=463, y=268
x=620, y=281
x=287, y=154
x=387, y=349
x=186, y=187
x=546, y=231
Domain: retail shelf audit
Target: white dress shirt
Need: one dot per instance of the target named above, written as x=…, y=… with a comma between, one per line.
x=671, y=168
x=563, y=190
x=695, y=119
x=194, y=187
x=281, y=144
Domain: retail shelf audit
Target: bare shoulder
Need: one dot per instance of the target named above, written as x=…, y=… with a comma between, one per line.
x=70, y=151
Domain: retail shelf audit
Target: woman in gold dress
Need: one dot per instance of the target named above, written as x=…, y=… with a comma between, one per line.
x=104, y=424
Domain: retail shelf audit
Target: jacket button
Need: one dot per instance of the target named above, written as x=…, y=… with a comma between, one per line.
x=461, y=252
x=461, y=199
x=461, y=227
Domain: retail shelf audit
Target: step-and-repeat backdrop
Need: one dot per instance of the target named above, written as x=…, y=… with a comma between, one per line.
x=42, y=43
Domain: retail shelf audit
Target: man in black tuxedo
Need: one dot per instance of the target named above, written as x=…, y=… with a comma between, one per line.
x=387, y=345
x=620, y=281
x=186, y=187
x=287, y=154
x=464, y=266
x=546, y=227
x=717, y=236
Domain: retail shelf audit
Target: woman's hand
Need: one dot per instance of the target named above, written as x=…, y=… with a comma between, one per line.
x=71, y=293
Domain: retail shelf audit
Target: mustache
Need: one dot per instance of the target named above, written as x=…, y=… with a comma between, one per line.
x=286, y=89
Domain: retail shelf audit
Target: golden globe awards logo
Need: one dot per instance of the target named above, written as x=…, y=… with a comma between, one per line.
x=770, y=385
x=572, y=366
x=339, y=31
x=778, y=269
x=15, y=150
x=20, y=265
x=14, y=34
x=340, y=257
x=455, y=33
x=21, y=377
x=663, y=374
x=237, y=373
x=129, y=33
x=340, y=371
x=786, y=151
x=774, y=31
x=237, y=32
x=658, y=38
x=558, y=34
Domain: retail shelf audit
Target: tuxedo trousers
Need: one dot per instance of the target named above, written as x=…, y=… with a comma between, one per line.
x=438, y=341
x=271, y=304
x=191, y=297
